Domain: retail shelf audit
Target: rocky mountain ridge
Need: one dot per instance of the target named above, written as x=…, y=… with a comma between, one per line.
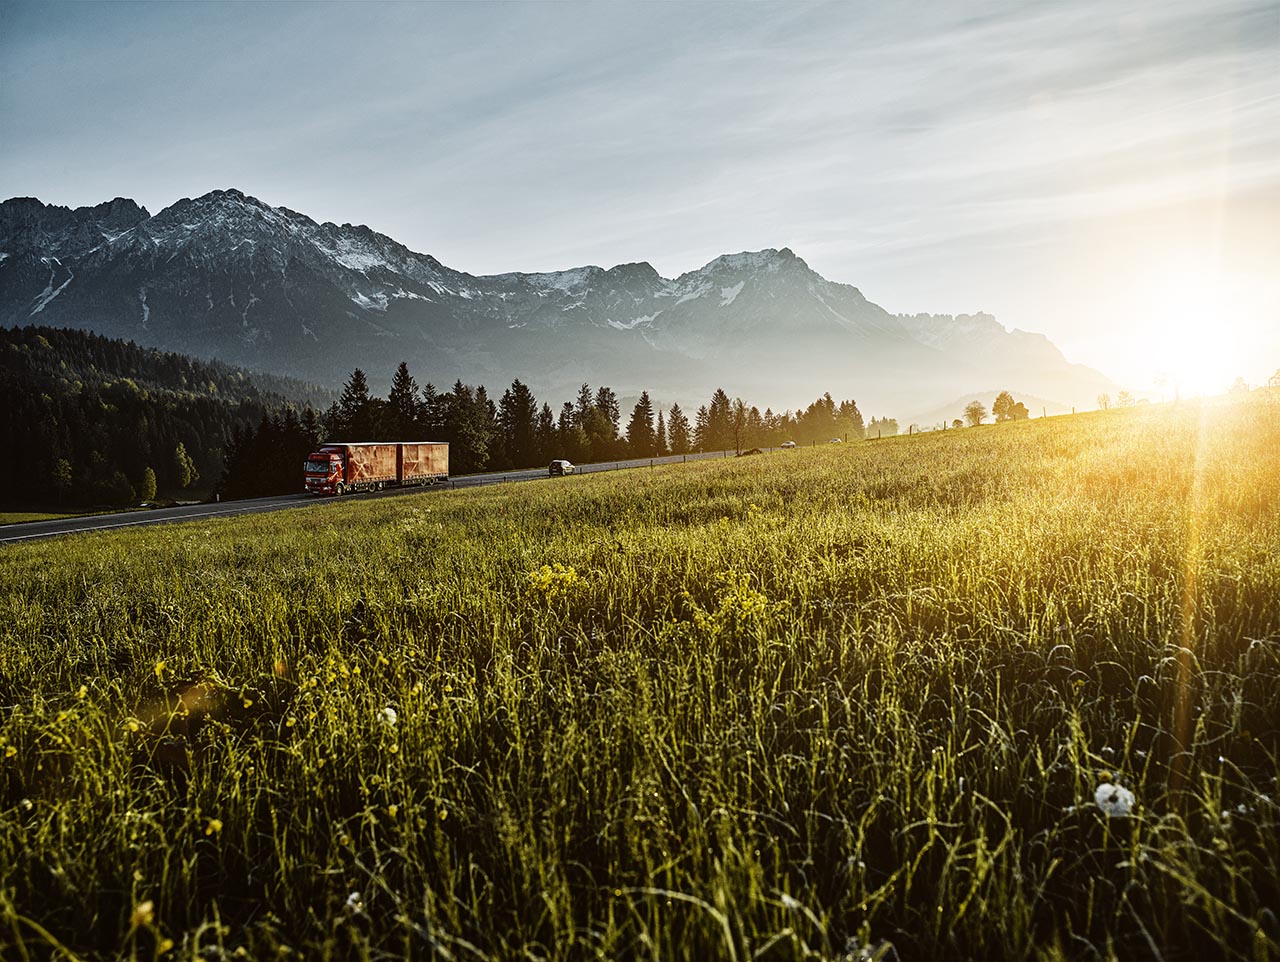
x=228, y=276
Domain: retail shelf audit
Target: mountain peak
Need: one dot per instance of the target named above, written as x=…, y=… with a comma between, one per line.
x=639, y=270
x=770, y=259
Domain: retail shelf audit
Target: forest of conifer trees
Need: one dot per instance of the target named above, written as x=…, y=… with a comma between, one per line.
x=107, y=423
x=515, y=431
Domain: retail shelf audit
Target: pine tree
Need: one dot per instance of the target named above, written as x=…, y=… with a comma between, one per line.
x=738, y=423
x=678, y=431
x=517, y=415
x=403, y=404
x=570, y=435
x=469, y=439
x=353, y=407
x=546, y=434
x=754, y=435
x=702, y=435
x=660, y=436
x=640, y=434
x=607, y=404
x=718, y=431
x=435, y=413
x=310, y=428
x=584, y=407
x=852, y=419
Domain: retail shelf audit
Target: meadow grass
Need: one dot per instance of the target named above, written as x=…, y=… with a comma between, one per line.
x=843, y=703
x=19, y=517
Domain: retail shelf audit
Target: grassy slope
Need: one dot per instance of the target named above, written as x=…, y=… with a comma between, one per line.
x=799, y=703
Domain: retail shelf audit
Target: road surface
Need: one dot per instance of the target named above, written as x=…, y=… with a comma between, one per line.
x=32, y=530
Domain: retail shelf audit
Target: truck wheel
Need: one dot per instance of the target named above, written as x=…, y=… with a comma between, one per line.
x=340, y=490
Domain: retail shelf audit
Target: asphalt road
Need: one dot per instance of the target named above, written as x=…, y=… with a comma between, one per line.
x=32, y=530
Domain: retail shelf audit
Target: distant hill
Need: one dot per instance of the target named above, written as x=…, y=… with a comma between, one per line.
x=54, y=358
x=225, y=275
x=87, y=416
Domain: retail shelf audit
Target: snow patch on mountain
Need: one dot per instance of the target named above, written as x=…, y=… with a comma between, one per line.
x=632, y=324
x=355, y=259
x=699, y=291
x=49, y=293
x=729, y=294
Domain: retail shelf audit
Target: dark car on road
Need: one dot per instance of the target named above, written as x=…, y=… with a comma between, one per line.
x=560, y=467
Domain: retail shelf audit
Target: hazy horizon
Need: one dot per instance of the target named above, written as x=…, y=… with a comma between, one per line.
x=1111, y=180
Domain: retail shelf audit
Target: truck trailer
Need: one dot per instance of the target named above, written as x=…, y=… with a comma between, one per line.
x=338, y=467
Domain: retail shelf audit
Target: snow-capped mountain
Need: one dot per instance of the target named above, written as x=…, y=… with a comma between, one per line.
x=228, y=276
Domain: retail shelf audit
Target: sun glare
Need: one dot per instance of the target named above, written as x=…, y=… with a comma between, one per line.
x=1195, y=331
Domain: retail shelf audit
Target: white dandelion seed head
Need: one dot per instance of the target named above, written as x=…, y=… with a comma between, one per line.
x=1114, y=800
x=388, y=716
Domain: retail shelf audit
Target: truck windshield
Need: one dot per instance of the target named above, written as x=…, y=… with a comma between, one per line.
x=317, y=467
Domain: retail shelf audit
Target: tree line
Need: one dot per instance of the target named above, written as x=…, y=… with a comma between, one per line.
x=516, y=431
x=96, y=422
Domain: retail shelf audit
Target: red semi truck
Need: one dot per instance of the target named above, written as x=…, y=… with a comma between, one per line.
x=341, y=466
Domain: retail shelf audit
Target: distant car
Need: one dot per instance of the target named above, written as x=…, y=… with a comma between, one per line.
x=836, y=441
x=560, y=467
x=788, y=444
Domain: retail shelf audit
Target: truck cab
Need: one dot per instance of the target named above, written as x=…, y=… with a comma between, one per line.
x=325, y=471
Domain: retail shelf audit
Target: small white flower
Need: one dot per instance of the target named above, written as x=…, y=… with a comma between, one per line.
x=355, y=904
x=1115, y=800
x=388, y=716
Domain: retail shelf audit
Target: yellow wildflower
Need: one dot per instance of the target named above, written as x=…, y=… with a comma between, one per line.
x=144, y=913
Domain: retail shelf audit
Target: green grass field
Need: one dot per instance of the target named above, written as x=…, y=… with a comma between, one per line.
x=19, y=517
x=844, y=703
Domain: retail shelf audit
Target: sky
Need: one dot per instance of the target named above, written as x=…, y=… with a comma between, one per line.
x=1105, y=173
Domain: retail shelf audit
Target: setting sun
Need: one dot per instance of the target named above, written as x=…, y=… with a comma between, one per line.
x=1194, y=330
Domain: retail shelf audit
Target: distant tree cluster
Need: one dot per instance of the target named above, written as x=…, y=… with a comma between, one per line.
x=1004, y=408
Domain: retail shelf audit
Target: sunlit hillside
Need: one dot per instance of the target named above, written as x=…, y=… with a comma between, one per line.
x=997, y=693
